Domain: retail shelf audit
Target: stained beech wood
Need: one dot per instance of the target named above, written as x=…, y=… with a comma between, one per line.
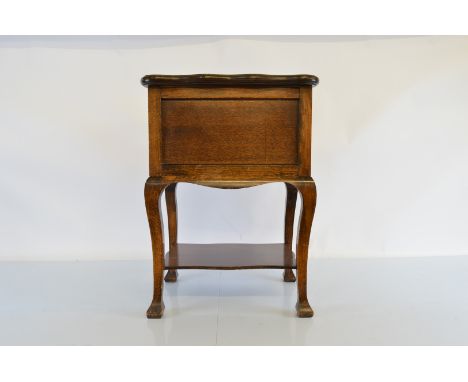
x=229, y=93
x=257, y=80
x=171, y=205
x=228, y=172
x=153, y=192
x=229, y=132
x=305, y=127
x=213, y=131
x=308, y=194
x=230, y=256
x=291, y=197
x=154, y=118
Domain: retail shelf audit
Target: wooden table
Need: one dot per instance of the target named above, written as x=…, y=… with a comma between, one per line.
x=229, y=131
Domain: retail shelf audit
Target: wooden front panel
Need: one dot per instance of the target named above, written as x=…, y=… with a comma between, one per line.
x=229, y=131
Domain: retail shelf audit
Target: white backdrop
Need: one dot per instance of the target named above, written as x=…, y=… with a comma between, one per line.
x=390, y=145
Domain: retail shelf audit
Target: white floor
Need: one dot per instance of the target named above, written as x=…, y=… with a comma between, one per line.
x=419, y=301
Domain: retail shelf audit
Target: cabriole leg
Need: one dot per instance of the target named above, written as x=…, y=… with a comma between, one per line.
x=171, y=205
x=309, y=196
x=291, y=197
x=153, y=192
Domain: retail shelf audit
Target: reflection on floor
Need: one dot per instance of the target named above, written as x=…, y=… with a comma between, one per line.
x=416, y=301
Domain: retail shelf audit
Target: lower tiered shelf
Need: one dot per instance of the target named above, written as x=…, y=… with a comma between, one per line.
x=230, y=256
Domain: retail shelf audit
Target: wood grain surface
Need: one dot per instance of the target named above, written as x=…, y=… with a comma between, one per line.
x=230, y=256
x=229, y=80
x=229, y=131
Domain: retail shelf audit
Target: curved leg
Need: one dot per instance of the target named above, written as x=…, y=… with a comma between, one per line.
x=309, y=196
x=291, y=197
x=171, y=204
x=153, y=192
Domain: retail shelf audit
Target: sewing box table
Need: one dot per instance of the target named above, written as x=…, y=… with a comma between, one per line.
x=229, y=132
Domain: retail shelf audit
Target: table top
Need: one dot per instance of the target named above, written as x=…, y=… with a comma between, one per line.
x=229, y=80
